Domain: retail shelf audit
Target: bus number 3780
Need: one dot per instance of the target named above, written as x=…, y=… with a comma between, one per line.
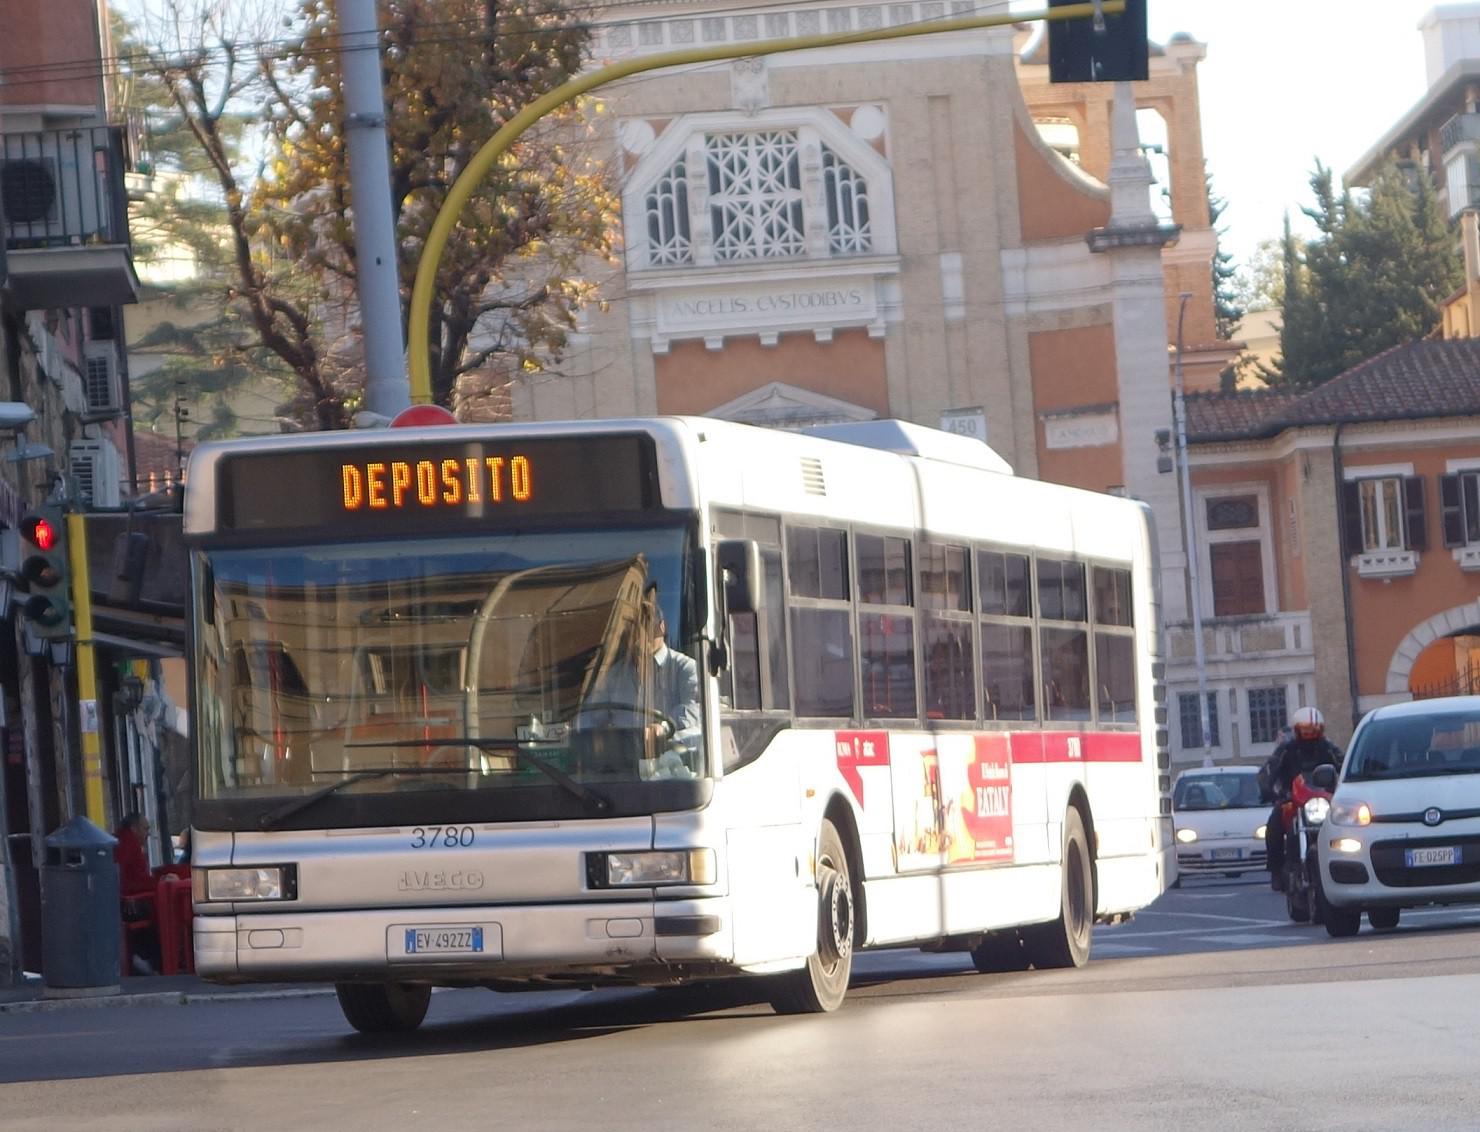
x=441, y=836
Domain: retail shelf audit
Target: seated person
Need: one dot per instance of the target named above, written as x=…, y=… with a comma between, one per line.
x=136, y=887
x=658, y=686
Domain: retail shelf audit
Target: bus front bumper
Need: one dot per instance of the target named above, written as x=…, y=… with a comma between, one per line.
x=464, y=944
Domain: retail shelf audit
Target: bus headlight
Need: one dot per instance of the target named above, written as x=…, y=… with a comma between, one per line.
x=1186, y=836
x=261, y=882
x=649, y=868
x=1260, y=832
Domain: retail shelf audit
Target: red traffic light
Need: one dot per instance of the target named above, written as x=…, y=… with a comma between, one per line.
x=39, y=532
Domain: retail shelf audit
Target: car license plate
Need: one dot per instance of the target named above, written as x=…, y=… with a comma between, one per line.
x=1228, y=854
x=1438, y=855
x=444, y=941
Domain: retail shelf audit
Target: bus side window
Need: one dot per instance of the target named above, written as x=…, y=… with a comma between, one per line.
x=757, y=676
x=821, y=621
x=945, y=596
x=1115, y=646
x=1006, y=604
x=886, y=633
x=1064, y=647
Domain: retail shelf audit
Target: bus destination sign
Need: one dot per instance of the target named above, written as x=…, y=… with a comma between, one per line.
x=436, y=485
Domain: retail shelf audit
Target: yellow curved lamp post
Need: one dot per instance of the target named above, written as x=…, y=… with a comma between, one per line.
x=419, y=346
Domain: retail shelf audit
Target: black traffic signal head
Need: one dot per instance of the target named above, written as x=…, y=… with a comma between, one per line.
x=43, y=573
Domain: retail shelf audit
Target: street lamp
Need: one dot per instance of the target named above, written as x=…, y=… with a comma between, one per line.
x=1189, y=544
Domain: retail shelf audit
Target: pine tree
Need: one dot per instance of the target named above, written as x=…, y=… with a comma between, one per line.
x=1228, y=308
x=1374, y=276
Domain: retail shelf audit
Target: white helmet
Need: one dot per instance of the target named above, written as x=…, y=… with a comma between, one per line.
x=1308, y=723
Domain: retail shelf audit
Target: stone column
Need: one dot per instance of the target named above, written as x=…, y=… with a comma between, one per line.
x=1133, y=241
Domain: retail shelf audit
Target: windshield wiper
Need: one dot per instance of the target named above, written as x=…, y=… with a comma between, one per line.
x=288, y=809
x=595, y=802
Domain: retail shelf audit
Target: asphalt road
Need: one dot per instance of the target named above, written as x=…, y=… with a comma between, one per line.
x=1209, y=1011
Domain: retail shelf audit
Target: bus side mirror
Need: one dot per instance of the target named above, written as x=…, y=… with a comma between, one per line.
x=739, y=562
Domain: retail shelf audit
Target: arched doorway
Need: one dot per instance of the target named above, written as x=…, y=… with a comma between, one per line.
x=1444, y=643
x=1449, y=666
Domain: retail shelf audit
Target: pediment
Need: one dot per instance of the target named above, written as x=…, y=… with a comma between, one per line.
x=780, y=405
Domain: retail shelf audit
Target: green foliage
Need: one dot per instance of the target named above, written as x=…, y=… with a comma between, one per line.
x=1228, y=307
x=512, y=281
x=1374, y=276
x=205, y=345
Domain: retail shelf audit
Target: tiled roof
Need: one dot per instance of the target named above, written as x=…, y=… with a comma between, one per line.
x=1416, y=381
x=155, y=453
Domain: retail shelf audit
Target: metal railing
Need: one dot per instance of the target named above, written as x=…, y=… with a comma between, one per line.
x=1461, y=128
x=63, y=188
x=1465, y=683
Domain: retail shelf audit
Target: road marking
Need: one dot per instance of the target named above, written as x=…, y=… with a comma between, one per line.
x=1196, y=916
x=1101, y=950
x=1243, y=925
x=1233, y=939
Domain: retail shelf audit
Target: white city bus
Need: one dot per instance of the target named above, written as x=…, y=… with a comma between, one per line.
x=927, y=708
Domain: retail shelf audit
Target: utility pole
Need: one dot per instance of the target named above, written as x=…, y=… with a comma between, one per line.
x=387, y=391
x=1189, y=541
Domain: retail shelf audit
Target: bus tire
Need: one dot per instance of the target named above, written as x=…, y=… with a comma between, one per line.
x=820, y=985
x=1065, y=942
x=1000, y=952
x=383, y=1008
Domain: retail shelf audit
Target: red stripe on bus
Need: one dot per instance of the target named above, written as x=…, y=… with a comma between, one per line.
x=1076, y=747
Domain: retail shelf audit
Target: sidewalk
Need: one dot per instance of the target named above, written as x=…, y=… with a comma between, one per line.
x=155, y=990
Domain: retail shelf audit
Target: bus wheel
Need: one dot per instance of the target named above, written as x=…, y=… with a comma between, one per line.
x=383, y=1008
x=820, y=985
x=1065, y=941
x=998, y=952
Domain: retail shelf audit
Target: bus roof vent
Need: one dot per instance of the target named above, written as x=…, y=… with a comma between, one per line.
x=813, y=482
x=914, y=440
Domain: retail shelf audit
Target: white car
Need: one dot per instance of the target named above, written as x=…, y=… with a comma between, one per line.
x=1219, y=821
x=1404, y=825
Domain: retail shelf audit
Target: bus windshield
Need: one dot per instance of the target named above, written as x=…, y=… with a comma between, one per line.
x=467, y=664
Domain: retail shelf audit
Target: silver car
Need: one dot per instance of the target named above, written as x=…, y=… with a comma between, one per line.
x=1219, y=821
x=1404, y=826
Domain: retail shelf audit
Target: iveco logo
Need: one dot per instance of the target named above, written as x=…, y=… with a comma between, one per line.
x=460, y=880
x=1432, y=816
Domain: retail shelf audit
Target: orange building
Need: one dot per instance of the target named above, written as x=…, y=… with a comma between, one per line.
x=1338, y=535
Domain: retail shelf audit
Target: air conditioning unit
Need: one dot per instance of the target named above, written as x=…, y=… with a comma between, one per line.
x=51, y=190
x=96, y=472
x=100, y=377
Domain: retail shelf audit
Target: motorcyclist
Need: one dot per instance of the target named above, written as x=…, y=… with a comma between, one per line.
x=1300, y=752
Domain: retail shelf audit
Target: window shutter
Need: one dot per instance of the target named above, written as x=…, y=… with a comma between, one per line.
x=1351, y=517
x=1413, y=509
x=1453, y=511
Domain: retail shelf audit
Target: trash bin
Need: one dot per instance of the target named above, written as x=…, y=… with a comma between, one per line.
x=80, y=921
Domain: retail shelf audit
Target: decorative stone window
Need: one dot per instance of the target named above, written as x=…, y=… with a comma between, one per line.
x=801, y=186
x=668, y=216
x=755, y=194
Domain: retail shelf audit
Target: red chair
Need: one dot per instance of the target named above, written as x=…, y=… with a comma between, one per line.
x=138, y=900
x=175, y=914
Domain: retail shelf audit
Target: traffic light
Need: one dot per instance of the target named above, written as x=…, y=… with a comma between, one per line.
x=1112, y=49
x=43, y=573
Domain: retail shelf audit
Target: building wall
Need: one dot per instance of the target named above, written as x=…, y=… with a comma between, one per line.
x=1387, y=610
x=38, y=31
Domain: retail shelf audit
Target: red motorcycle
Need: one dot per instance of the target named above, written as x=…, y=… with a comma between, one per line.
x=1302, y=816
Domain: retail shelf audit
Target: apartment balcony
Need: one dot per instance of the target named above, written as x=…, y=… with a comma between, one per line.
x=63, y=207
x=1236, y=645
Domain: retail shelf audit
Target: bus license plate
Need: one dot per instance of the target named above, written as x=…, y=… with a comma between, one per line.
x=1228, y=854
x=444, y=941
x=1440, y=855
